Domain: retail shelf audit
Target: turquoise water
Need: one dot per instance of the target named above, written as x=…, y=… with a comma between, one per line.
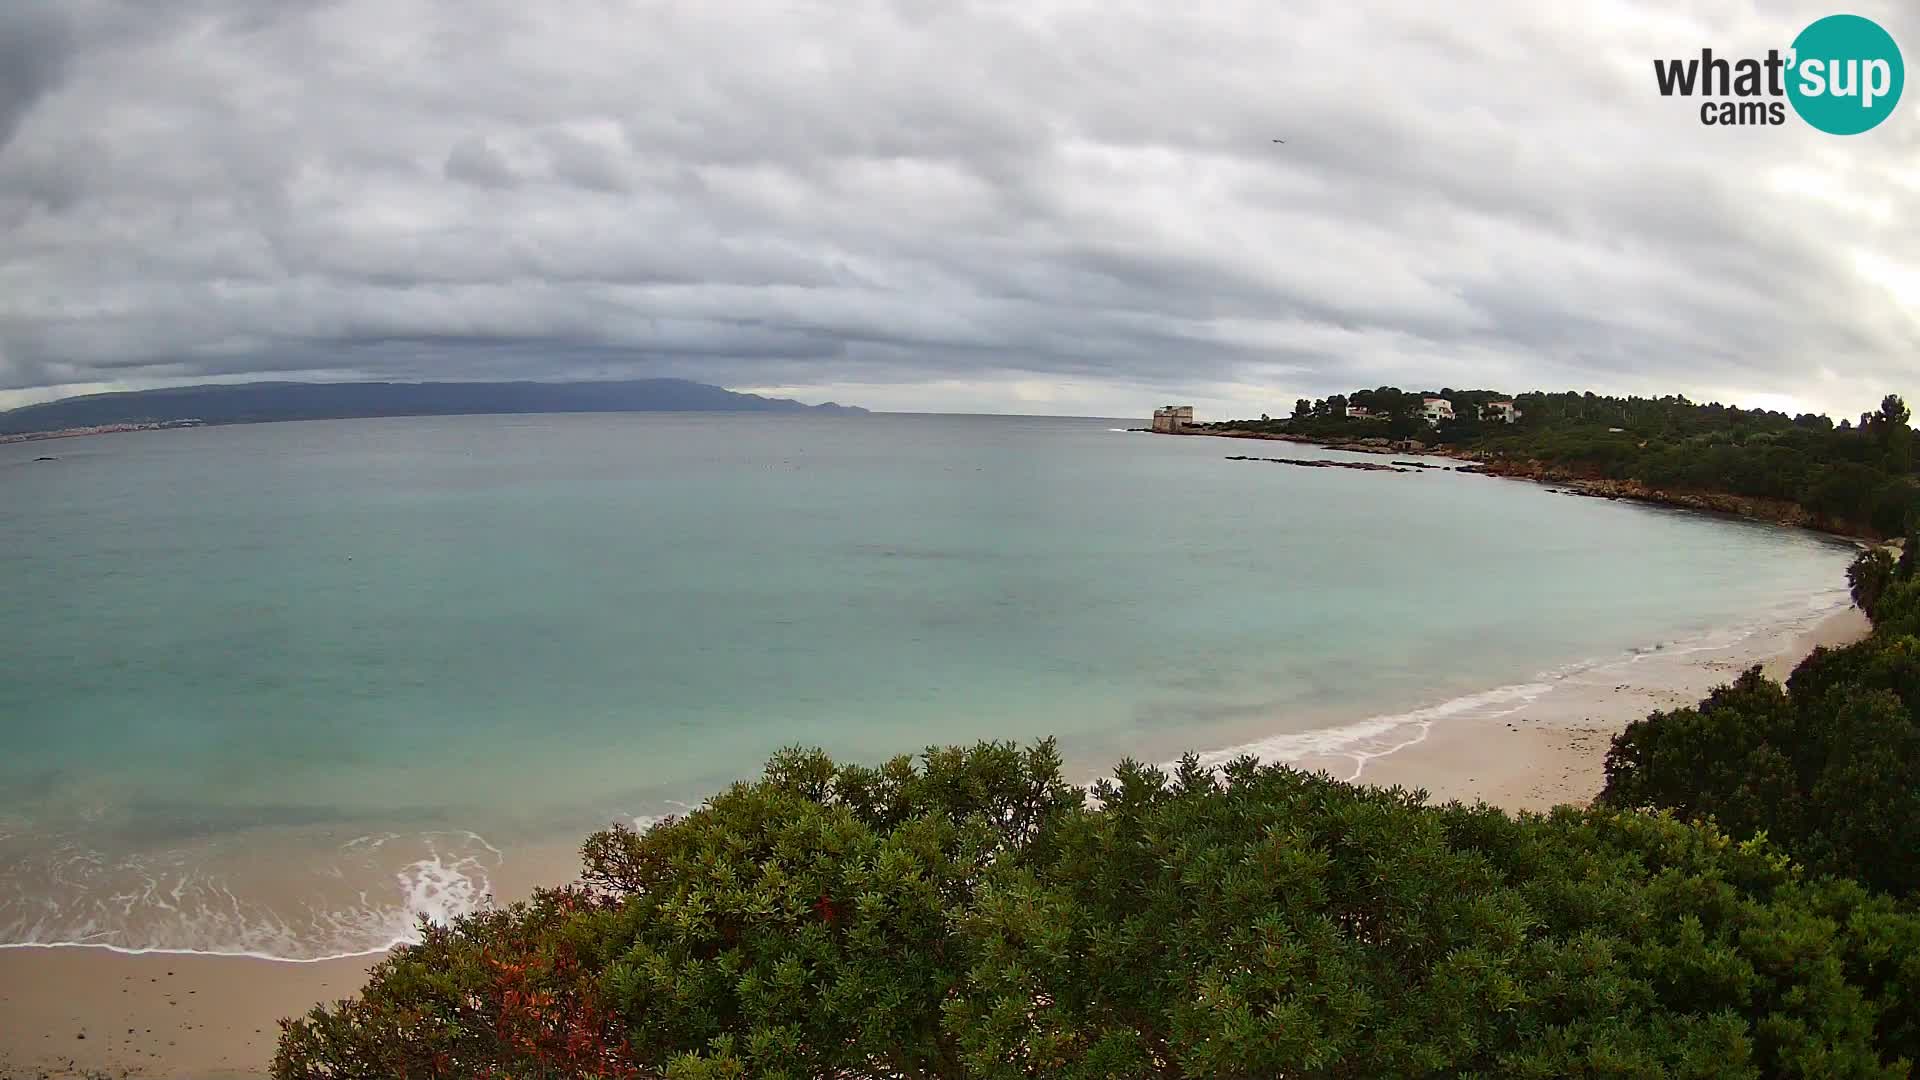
x=271, y=688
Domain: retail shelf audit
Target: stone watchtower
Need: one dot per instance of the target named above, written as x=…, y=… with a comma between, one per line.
x=1172, y=419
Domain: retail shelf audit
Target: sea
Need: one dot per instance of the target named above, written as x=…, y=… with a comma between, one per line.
x=282, y=689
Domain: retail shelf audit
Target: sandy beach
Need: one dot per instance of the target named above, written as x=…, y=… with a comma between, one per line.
x=1552, y=751
x=80, y=1012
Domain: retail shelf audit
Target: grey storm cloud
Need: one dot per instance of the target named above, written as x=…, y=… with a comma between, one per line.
x=475, y=162
x=33, y=53
x=939, y=203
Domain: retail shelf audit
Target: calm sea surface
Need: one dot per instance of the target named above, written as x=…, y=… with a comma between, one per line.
x=274, y=688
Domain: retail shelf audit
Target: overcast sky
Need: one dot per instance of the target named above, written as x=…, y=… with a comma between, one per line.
x=1043, y=206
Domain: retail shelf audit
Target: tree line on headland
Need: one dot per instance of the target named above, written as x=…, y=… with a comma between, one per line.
x=1849, y=477
x=1742, y=901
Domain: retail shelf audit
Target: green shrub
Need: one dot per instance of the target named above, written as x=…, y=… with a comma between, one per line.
x=1869, y=577
x=974, y=916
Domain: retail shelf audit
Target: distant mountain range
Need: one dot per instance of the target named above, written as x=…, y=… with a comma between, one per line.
x=264, y=402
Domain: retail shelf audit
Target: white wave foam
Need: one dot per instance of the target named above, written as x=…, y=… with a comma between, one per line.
x=1380, y=735
x=442, y=891
x=643, y=822
x=229, y=900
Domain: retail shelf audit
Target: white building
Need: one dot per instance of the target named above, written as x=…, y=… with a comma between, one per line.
x=1172, y=419
x=1502, y=411
x=1357, y=412
x=1436, y=409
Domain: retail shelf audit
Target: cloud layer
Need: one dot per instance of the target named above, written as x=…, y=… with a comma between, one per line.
x=1042, y=206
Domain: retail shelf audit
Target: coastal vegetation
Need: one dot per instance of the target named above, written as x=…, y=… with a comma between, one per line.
x=1739, y=903
x=1857, y=478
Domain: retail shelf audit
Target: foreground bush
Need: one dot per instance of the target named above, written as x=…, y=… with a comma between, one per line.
x=976, y=917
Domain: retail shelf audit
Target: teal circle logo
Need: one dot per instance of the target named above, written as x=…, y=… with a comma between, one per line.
x=1846, y=75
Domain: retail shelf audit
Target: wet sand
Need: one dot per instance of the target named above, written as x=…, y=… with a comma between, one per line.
x=78, y=1012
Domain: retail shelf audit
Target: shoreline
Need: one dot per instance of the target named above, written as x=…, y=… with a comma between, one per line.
x=80, y=1010
x=1551, y=749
